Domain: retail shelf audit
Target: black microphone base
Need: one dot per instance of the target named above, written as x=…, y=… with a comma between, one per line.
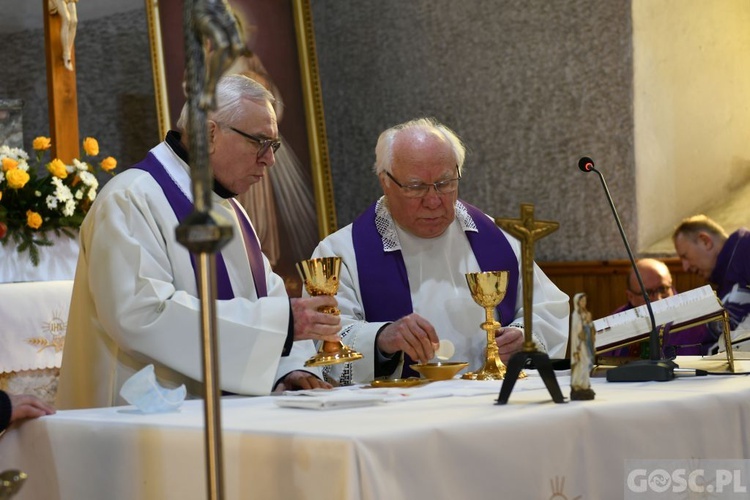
x=643, y=370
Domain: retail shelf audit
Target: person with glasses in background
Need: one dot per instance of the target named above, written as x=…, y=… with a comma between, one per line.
x=135, y=298
x=657, y=281
x=402, y=287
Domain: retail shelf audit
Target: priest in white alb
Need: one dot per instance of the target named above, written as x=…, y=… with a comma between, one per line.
x=402, y=287
x=135, y=298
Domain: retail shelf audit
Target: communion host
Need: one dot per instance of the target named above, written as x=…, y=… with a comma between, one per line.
x=402, y=287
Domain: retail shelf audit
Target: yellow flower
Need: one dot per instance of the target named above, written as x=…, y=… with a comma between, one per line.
x=9, y=164
x=16, y=178
x=91, y=146
x=1, y=195
x=108, y=164
x=57, y=168
x=41, y=143
x=33, y=219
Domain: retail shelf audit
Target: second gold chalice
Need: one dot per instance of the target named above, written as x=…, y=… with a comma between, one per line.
x=488, y=290
x=321, y=277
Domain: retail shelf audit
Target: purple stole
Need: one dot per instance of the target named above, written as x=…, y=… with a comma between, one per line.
x=182, y=207
x=383, y=281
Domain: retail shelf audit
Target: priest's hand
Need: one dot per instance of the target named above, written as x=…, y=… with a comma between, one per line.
x=413, y=335
x=309, y=323
x=509, y=341
x=300, y=380
x=28, y=406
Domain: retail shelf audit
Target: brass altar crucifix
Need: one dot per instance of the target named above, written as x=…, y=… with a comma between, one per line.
x=528, y=230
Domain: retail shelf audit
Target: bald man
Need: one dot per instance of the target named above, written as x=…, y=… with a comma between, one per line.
x=657, y=281
x=723, y=260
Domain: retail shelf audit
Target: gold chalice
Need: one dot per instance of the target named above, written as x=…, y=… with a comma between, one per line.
x=321, y=277
x=488, y=290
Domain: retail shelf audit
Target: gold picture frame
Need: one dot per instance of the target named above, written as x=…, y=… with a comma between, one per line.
x=289, y=32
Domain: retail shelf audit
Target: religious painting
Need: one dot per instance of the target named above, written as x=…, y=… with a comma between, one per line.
x=293, y=207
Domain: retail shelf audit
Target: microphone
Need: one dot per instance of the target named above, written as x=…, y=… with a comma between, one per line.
x=644, y=370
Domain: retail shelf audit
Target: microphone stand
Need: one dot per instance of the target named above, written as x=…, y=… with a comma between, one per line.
x=642, y=370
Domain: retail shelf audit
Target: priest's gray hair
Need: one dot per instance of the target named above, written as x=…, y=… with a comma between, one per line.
x=384, y=147
x=231, y=90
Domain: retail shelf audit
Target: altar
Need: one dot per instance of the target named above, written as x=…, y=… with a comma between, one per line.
x=35, y=317
x=441, y=440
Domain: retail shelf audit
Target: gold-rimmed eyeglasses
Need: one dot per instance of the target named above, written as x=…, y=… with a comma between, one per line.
x=421, y=189
x=263, y=144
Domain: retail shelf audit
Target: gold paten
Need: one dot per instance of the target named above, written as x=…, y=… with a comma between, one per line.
x=321, y=277
x=398, y=382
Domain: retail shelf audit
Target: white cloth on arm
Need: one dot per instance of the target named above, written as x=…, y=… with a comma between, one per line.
x=135, y=301
x=436, y=269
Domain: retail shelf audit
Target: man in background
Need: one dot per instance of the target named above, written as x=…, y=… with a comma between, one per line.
x=723, y=260
x=657, y=281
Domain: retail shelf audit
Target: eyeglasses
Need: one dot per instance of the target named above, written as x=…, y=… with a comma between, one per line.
x=265, y=144
x=421, y=189
x=660, y=291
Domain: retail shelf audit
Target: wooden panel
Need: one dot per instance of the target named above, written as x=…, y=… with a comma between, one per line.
x=605, y=281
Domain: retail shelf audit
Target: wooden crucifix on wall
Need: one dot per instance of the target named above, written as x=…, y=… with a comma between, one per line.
x=61, y=80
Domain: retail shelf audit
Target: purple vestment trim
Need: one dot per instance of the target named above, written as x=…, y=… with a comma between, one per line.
x=383, y=281
x=182, y=207
x=254, y=254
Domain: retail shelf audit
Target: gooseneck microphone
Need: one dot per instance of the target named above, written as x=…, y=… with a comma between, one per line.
x=655, y=368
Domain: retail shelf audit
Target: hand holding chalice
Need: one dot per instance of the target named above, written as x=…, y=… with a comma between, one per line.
x=321, y=277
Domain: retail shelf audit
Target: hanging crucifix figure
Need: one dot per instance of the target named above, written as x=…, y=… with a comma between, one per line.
x=528, y=230
x=69, y=15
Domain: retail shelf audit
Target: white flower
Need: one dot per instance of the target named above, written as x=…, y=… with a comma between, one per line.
x=37, y=193
x=89, y=179
x=80, y=166
x=69, y=208
x=23, y=165
x=79, y=194
x=92, y=194
x=2, y=176
x=51, y=202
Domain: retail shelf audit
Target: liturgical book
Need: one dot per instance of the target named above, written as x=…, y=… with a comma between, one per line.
x=634, y=324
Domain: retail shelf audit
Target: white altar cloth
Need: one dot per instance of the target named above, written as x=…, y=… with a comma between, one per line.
x=34, y=323
x=441, y=447
x=56, y=262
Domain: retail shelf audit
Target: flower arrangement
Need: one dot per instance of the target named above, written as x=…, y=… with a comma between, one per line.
x=35, y=199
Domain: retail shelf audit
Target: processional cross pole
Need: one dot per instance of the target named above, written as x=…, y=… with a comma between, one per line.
x=528, y=230
x=203, y=233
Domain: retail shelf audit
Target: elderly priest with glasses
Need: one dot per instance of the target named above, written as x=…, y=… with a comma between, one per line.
x=402, y=287
x=135, y=298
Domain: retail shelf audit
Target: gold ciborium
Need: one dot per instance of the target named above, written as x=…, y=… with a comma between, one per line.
x=488, y=290
x=321, y=277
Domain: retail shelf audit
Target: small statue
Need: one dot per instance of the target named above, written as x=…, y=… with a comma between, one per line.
x=69, y=15
x=581, y=350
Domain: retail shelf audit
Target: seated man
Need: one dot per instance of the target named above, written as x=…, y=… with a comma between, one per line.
x=402, y=286
x=135, y=298
x=724, y=261
x=657, y=280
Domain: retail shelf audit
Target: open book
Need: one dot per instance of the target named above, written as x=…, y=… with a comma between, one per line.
x=635, y=324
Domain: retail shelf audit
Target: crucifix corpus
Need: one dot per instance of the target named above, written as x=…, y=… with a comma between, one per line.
x=528, y=230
